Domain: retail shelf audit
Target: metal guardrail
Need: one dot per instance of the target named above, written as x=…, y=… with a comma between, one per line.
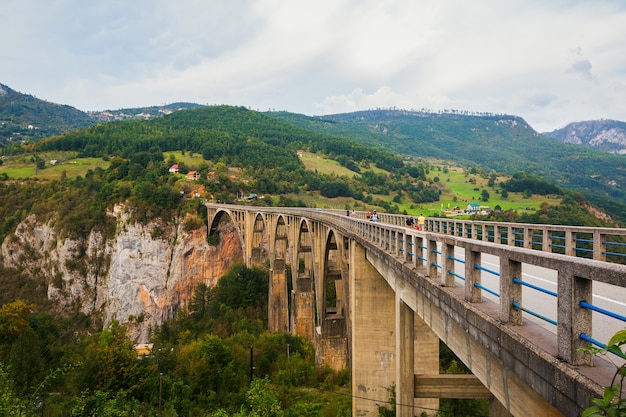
x=599, y=243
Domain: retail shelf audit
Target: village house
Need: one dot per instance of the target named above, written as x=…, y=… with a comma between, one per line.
x=472, y=208
x=193, y=175
x=174, y=169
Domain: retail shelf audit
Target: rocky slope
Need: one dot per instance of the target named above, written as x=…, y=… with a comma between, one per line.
x=604, y=135
x=138, y=277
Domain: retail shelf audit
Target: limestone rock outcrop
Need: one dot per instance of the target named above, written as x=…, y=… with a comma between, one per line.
x=142, y=276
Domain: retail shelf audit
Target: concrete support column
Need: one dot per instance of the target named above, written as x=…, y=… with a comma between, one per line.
x=373, y=335
x=419, y=251
x=404, y=253
x=496, y=234
x=570, y=245
x=278, y=320
x=599, y=246
x=409, y=248
x=431, y=257
x=528, y=239
x=405, y=363
x=303, y=307
x=473, y=294
x=546, y=240
x=510, y=236
x=426, y=351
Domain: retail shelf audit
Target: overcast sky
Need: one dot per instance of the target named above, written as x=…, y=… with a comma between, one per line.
x=550, y=62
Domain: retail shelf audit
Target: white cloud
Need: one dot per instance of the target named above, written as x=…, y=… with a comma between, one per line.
x=548, y=62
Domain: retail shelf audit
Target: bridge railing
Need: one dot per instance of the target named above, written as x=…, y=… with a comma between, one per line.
x=599, y=243
x=455, y=252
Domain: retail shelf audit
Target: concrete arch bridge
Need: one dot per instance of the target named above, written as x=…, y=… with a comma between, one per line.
x=515, y=302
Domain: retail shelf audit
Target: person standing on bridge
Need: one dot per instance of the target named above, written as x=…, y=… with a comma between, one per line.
x=421, y=220
x=410, y=222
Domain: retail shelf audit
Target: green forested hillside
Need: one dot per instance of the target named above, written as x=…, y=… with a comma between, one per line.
x=493, y=142
x=234, y=134
x=264, y=148
x=265, y=151
x=24, y=117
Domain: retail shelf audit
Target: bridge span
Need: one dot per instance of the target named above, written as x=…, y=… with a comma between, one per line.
x=379, y=296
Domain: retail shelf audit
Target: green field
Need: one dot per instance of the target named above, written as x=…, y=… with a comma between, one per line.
x=315, y=162
x=23, y=166
x=192, y=161
x=458, y=187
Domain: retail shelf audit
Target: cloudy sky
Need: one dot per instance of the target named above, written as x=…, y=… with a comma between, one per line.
x=549, y=61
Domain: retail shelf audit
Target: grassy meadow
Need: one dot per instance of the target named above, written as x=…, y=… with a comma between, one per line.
x=23, y=166
x=458, y=188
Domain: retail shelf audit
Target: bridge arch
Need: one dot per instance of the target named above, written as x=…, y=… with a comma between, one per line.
x=279, y=286
x=304, y=312
x=236, y=218
x=258, y=238
x=332, y=303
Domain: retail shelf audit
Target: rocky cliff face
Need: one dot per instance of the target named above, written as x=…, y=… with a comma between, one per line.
x=604, y=135
x=141, y=276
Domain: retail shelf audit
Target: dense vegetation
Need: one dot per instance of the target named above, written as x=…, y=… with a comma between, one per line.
x=265, y=149
x=199, y=365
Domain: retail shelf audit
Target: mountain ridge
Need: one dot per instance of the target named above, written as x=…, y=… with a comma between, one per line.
x=602, y=134
x=24, y=117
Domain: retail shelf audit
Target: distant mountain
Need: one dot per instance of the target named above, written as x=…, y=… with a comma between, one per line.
x=24, y=117
x=603, y=135
x=141, y=112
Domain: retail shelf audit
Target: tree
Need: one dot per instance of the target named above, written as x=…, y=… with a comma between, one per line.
x=262, y=400
x=111, y=364
x=25, y=361
x=484, y=195
x=10, y=404
x=102, y=404
x=13, y=322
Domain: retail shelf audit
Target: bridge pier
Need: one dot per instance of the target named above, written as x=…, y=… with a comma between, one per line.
x=278, y=315
x=373, y=336
x=390, y=344
x=417, y=349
